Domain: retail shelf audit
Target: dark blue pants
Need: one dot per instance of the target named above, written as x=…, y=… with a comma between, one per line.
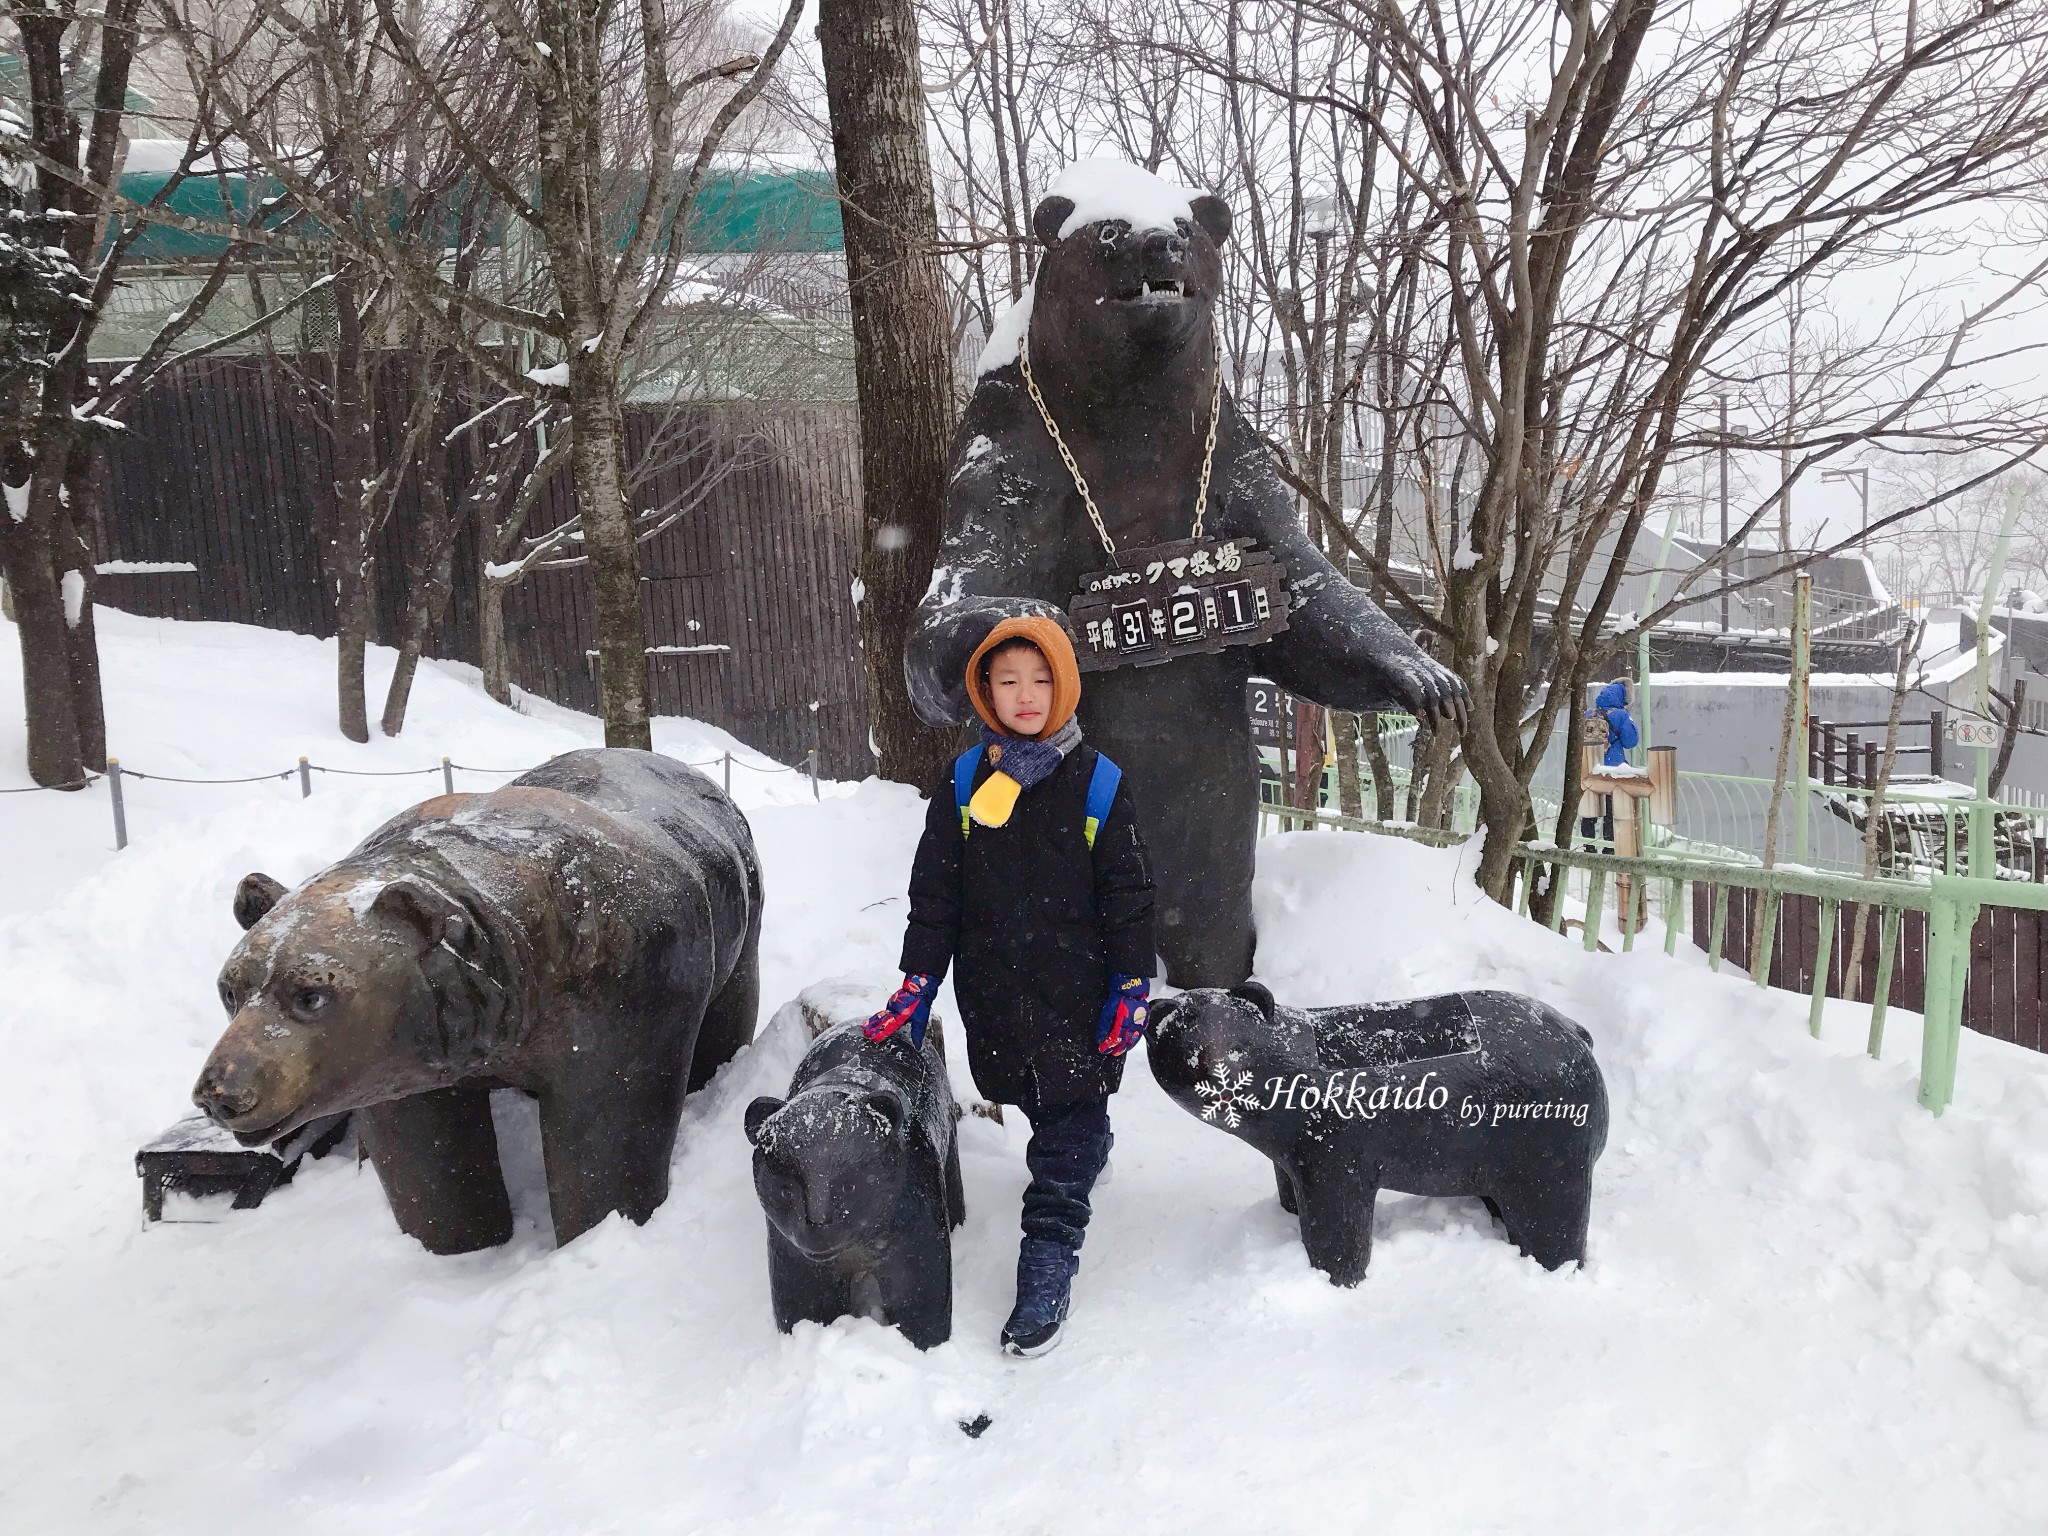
x=1069, y=1144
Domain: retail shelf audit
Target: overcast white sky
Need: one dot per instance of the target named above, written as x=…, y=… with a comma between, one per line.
x=1828, y=509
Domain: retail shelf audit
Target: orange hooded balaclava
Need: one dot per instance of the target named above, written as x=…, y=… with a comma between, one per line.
x=997, y=797
x=1058, y=651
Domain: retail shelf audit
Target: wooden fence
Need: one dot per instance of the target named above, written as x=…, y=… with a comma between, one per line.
x=2007, y=993
x=220, y=468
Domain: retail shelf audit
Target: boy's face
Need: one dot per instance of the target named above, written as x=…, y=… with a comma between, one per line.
x=1020, y=688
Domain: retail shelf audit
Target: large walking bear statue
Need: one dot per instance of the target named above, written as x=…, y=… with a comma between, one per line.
x=1123, y=353
x=587, y=934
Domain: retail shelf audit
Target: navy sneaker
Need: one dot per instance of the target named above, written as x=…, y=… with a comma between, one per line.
x=1045, y=1280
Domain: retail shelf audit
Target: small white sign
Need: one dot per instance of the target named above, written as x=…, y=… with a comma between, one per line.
x=1984, y=735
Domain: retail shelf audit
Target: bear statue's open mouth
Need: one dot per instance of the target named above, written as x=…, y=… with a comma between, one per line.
x=272, y=1132
x=1165, y=290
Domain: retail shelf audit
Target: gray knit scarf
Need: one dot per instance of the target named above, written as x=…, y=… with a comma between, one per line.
x=1027, y=759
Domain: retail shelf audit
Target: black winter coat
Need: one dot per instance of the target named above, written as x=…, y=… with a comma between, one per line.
x=1038, y=925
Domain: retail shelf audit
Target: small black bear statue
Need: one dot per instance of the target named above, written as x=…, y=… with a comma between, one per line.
x=859, y=1174
x=1470, y=1093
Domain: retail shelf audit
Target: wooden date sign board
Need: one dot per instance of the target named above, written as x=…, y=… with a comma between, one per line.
x=1178, y=599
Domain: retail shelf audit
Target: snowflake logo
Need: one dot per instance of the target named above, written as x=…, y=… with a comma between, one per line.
x=1225, y=1096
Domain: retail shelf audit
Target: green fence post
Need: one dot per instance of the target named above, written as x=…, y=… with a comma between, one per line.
x=1528, y=879
x=1767, y=927
x=1595, y=889
x=1674, y=899
x=1828, y=911
x=1948, y=968
x=1881, y=990
x=1720, y=928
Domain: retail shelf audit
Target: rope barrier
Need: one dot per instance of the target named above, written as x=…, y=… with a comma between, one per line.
x=369, y=773
x=167, y=778
x=447, y=768
x=36, y=789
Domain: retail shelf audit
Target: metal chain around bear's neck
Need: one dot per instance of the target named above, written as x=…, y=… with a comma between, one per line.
x=1074, y=469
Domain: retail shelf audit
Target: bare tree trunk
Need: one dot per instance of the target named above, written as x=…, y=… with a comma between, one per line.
x=1308, y=753
x=349, y=546
x=2003, y=761
x=598, y=430
x=1283, y=732
x=81, y=636
x=56, y=755
x=1774, y=816
x=1382, y=772
x=1437, y=795
x=1909, y=651
x=429, y=579
x=1344, y=730
x=493, y=652
x=905, y=372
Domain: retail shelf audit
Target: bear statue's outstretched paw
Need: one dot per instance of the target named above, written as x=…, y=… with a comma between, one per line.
x=1431, y=690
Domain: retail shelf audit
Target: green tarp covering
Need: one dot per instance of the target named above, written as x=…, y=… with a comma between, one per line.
x=734, y=211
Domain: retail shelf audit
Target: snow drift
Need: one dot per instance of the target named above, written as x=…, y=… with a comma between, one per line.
x=1808, y=1305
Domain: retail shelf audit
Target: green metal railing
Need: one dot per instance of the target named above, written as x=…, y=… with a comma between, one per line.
x=1951, y=902
x=1924, y=828
x=1397, y=743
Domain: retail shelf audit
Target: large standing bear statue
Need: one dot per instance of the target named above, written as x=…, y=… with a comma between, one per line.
x=588, y=934
x=1123, y=349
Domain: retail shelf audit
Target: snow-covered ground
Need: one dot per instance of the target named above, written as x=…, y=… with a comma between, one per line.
x=1809, y=1306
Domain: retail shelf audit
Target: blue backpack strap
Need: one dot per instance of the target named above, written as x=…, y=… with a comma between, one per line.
x=963, y=781
x=1101, y=795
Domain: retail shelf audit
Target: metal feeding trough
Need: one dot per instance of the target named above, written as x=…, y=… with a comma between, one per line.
x=197, y=1157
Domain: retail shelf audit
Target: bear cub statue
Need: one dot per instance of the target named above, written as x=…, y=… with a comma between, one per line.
x=1469, y=1093
x=858, y=1173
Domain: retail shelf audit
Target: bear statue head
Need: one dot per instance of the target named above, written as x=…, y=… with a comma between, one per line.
x=1131, y=271
x=1214, y=1051
x=345, y=993
x=829, y=1165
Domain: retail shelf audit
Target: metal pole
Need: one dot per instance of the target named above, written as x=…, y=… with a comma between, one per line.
x=728, y=775
x=1980, y=810
x=448, y=775
x=120, y=810
x=1724, y=513
x=1643, y=640
x=1802, y=676
x=812, y=758
x=305, y=780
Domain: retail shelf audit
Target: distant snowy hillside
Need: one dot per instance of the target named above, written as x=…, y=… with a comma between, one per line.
x=1809, y=1306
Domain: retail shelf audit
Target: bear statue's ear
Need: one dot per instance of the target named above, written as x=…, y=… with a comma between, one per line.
x=1052, y=213
x=1213, y=214
x=254, y=898
x=757, y=1116
x=1255, y=994
x=439, y=917
x=890, y=1108
x=1162, y=1010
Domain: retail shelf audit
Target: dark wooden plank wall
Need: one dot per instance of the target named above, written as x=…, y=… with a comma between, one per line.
x=223, y=467
x=2007, y=993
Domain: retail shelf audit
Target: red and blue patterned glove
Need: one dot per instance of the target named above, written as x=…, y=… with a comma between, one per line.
x=1121, y=1023
x=911, y=1004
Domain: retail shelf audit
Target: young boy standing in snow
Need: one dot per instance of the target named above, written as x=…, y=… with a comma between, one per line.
x=1032, y=876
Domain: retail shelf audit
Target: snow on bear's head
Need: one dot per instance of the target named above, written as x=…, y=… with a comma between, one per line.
x=347, y=992
x=1129, y=260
